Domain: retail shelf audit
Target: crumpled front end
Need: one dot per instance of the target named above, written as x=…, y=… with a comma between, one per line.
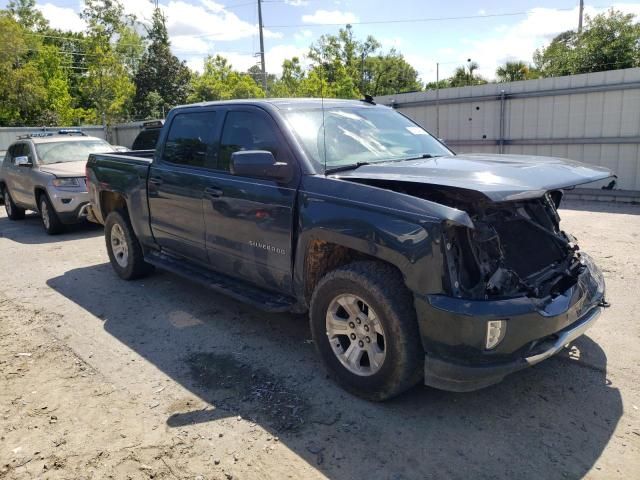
x=514, y=249
x=518, y=289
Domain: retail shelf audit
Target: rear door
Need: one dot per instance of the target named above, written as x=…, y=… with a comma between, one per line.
x=177, y=181
x=249, y=221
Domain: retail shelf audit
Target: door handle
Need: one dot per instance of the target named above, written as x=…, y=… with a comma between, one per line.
x=213, y=192
x=156, y=180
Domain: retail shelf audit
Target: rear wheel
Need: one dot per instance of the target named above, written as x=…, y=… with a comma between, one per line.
x=364, y=327
x=123, y=247
x=50, y=220
x=13, y=211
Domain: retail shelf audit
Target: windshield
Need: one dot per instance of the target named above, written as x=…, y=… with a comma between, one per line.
x=361, y=134
x=70, y=151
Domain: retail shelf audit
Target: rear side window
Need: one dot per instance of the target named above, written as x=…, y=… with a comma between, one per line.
x=146, y=139
x=247, y=131
x=190, y=140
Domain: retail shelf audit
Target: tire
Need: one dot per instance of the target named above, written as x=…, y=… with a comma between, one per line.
x=50, y=220
x=13, y=211
x=398, y=359
x=123, y=247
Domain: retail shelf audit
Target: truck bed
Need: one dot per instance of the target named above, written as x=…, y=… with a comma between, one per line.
x=122, y=173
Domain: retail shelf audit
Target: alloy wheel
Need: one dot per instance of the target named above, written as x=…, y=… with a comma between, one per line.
x=7, y=202
x=119, y=246
x=44, y=213
x=355, y=334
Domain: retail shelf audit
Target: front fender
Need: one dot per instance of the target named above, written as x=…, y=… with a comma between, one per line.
x=395, y=228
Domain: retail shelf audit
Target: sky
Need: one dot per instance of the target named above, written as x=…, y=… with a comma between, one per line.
x=490, y=32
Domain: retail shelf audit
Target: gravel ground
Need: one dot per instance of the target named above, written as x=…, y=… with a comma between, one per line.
x=161, y=378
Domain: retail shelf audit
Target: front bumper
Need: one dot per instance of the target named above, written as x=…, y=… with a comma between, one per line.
x=454, y=332
x=70, y=205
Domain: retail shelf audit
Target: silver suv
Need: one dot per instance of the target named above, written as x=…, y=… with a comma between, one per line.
x=45, y=172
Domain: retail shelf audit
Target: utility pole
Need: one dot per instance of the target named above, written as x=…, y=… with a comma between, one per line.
x=264, y=71
x=580, y=17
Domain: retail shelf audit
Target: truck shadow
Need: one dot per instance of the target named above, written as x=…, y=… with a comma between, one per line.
x=30, y=230
x=551, y=421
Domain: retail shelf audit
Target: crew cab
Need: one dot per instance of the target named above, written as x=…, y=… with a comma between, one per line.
x=44, y=172
x=415, y=264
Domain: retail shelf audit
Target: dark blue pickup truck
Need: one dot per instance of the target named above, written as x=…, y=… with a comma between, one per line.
x=414, y=263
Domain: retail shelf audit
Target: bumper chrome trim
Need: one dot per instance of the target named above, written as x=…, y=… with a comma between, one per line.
x=84, y=211
x=567, y=337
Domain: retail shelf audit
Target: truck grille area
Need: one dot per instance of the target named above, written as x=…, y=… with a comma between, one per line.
x=526, y=250
x=515, y=249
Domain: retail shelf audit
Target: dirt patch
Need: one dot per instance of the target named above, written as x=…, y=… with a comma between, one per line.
x=101, y=378
x=252, y=393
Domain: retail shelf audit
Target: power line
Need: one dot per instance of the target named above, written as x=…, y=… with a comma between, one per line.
x=419, y=20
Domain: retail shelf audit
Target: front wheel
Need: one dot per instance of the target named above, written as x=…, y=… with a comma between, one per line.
x=123, y=247
x=13, y=211
x=364, y=327
x=50, y=220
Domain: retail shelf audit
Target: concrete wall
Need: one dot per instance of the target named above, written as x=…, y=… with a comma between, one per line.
x=594, y=118
x=125, y=133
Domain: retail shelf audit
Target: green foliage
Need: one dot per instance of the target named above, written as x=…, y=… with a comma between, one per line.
x=388, y=74
x=26, y=14
x=162, y=81
x=514, y=71
x=107, y=87
x=219, y=81
x=344, y=67
x=609, y=41
x=465, y=75
x=34, y=89
x=112, y=73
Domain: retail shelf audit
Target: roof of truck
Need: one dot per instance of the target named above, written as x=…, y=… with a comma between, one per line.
x=291, y=103
x=61, y=135
x=61, y=138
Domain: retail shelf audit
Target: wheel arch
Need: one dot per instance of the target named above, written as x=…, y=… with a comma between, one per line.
x=38, y=190
x=322, y=251
x=111, y=201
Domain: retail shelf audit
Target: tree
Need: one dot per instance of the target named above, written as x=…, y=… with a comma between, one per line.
x=464, y=76
x=162, y=81
x=107, y=87
x=35, y=86
x=609, y=41
x=104, y=17
x=27, y=15
x=388, y=74
x=289, y=83
x=219, y=81
x=514, y=71
x=255, y=72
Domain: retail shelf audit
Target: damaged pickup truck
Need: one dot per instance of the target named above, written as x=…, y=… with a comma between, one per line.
x=414, y=263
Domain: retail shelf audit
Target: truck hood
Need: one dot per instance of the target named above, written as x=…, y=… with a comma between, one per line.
x=65, y=169
x=498, y=177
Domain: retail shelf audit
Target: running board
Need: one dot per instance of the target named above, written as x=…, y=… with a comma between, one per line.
x=236, y=289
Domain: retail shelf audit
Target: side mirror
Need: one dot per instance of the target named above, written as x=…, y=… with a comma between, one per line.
x=23, y=161
x=260, y=164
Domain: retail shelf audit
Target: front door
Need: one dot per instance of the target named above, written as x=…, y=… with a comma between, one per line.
x=20, y=185
x=249, y=221
x=177, y=182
